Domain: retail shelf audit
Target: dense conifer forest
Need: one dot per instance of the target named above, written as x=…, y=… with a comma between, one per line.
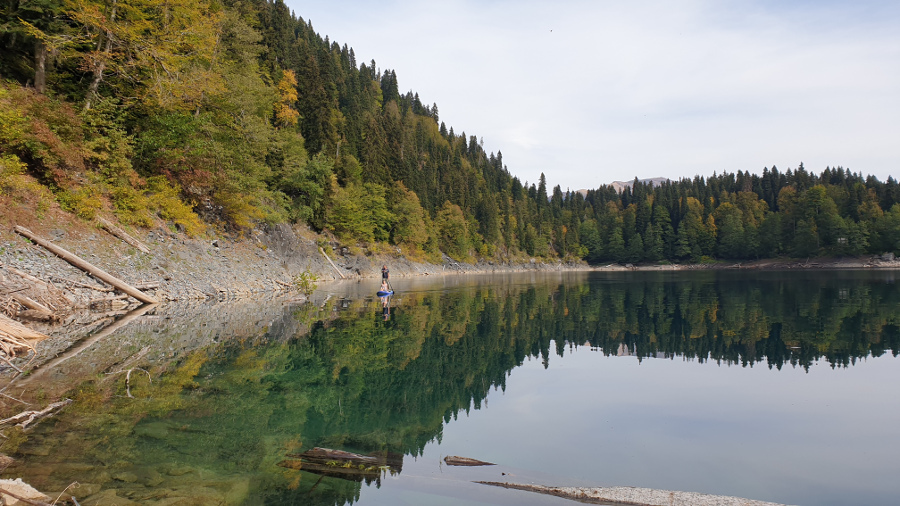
x=228, y=113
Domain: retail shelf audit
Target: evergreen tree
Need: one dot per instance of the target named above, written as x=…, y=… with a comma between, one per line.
x=653, y=244
x=635, y=251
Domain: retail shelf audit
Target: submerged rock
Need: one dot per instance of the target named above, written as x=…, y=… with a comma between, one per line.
x=21, y=489
x=108, y=497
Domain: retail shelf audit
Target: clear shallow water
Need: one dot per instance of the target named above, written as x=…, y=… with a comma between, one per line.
x=772, y=386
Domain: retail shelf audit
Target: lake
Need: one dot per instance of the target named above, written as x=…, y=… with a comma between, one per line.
x=776, y=386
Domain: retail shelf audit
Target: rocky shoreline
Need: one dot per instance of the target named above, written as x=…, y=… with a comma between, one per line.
x=268, y=260
x=264, y=261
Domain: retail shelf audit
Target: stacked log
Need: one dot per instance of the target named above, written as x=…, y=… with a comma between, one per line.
x=16, y=339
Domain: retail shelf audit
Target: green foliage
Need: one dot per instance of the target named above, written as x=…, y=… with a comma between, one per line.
x=14, y=183
x=410, y=225
x=109, y=147
x=305, y=282
x=453, y=232
x=163, y=197
x=131, y=206
x=359, y=212
x=84, y=201
x=249, y=115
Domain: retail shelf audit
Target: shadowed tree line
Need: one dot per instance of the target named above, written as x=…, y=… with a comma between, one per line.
x=234, y=113
x=745, y=216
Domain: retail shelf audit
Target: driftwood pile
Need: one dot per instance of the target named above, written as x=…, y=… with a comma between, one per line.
x=16, y=339
x=26, y=297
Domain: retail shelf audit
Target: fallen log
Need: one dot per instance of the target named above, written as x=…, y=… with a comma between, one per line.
x=86, y=266
x=332, y=263
x=26, y=276
x=85, y=285
x=16, y=338
x=40, y=296
x=30, y=303
x=107, y=299
x=121, y=234
x=453, y=460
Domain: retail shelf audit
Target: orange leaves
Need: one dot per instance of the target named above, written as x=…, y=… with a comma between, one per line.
x=169, y=48
x=285, y=114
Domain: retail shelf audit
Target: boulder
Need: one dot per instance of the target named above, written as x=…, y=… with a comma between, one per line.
x=21, y=489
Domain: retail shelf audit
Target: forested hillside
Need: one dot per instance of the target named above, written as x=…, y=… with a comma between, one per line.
x=232, y=113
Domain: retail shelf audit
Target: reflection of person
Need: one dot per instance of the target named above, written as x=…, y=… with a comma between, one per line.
x=385, y=307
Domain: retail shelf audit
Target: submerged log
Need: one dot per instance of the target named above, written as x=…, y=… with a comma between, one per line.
x=346, y=465
x=347, y=472
x=26, y=418
x=86, y=266
x=453, y=460
x=326, y=454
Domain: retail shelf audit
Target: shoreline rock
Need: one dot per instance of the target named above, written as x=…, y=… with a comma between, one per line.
x=632, y=495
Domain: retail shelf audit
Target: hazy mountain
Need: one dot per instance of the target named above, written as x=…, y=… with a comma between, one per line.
x=621, y=185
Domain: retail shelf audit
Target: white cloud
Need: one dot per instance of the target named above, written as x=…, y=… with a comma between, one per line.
x=618, y=90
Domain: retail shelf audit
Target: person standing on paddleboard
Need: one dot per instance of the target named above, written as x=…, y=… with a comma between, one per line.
x=385, y=278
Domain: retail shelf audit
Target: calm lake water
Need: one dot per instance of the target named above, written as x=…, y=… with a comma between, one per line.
x=776, y=386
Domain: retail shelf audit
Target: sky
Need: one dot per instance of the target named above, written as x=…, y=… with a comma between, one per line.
x=590, y=92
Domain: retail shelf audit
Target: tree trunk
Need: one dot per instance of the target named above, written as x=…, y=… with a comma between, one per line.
x=85, y=266
x=40, y=66
x=98, y=71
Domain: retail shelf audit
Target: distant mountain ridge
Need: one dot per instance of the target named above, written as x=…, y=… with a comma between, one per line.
x=654, y=181
x=621, y=185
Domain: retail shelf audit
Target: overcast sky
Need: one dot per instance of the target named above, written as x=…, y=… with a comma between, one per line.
x=590, y=92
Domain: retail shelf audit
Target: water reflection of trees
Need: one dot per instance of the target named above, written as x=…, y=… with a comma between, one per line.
x=738, y=319
x=389, y=385
x=359, y=383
